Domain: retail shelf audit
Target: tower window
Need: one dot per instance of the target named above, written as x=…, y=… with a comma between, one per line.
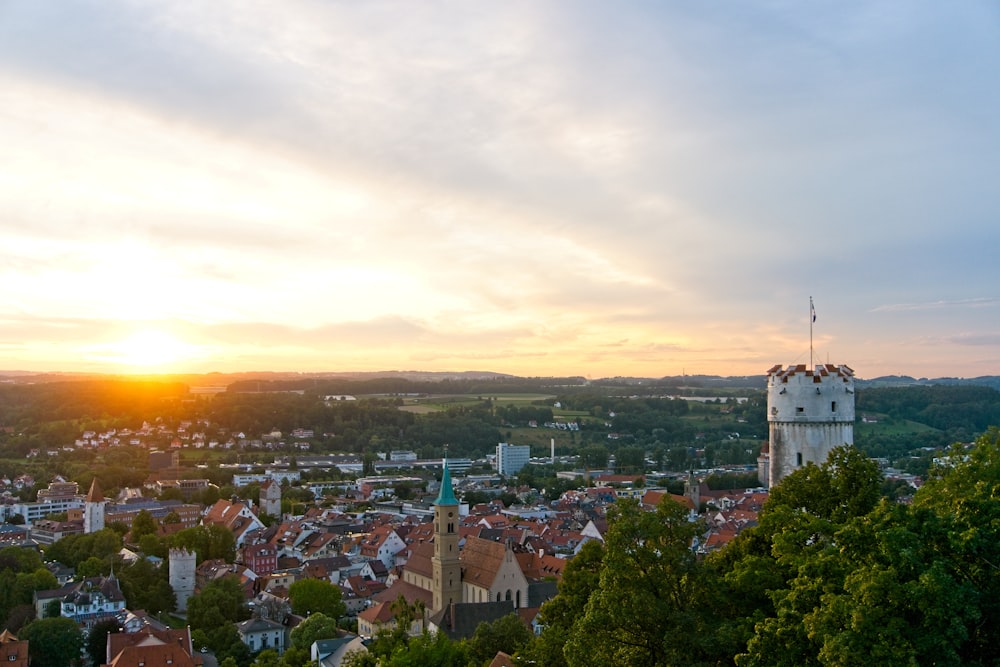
x=798, y=459
x=833, y=406
x=799, y=411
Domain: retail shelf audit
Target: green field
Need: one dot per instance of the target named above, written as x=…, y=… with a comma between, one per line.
x=439, y=402
x=888, y=426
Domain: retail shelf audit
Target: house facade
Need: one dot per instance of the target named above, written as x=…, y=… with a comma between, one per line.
x=260, y=633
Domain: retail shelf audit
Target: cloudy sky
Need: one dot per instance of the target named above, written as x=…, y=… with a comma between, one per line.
x=530, y=187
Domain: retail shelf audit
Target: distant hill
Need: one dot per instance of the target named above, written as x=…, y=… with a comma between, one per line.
x=907, y=381
x=244, y=380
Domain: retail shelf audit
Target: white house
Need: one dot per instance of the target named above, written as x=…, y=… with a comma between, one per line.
x=260, y=633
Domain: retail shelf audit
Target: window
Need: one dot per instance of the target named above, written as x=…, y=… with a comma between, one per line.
x=833, y=406
x=798, y=459
x=799, y=411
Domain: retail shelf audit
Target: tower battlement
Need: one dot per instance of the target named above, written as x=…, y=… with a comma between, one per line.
x=801, y=394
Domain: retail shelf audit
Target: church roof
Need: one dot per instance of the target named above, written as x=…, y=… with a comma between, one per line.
x=459, y=620
x=419, y=561
x=481, y=561
x=447, y=494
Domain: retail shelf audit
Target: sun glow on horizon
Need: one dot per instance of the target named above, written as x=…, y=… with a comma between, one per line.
x=147, y=349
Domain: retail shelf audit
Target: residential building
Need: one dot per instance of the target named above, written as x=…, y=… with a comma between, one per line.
x=331, y=652
x=152, y=646
x=260, y=633
x=13, y=651
x=237, y=517
x=87, y=602
x=261, y=558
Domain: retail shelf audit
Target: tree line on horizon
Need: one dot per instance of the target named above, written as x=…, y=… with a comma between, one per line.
x=666, y=431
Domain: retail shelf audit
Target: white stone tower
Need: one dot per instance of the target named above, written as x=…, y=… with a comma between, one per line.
x=181, y=565
x=93, y=509
x=809, y=412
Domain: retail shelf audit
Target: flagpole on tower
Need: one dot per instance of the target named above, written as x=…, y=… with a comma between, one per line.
x=812, y=318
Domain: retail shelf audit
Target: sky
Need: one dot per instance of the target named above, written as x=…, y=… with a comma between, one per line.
x=541, y=188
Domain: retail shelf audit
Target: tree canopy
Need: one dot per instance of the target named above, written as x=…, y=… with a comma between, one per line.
x=53, y=642
x=316, y=596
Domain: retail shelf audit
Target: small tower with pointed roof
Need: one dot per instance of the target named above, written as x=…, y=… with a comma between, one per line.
x=270, y=498
x=93, y=509
x=447, y=586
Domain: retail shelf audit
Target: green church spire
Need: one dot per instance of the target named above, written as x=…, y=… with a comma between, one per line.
x=447, y=495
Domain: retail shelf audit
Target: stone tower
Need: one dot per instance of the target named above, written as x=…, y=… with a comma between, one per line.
x=270, y=498
x=446, y=565
x=692, y=490
x=93, y=509
x=809, y=412
x=181, y=564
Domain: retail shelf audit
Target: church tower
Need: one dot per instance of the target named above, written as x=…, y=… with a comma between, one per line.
x=809, y=413
x=93, y=509
x=446, y=565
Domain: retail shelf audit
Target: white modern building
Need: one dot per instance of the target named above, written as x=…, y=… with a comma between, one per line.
x=36, y=511
x=511, y=458
x=277, y=475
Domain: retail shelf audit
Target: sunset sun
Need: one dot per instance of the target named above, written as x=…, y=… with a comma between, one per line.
x=149, y=349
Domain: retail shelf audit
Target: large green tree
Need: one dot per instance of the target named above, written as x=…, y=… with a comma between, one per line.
x=852, y=584
x=508, y=634
x=21, y=574
x=147, y=586
x=53, y=642
x=580, y=579
x=312, y=596
x=97, y=641
x=649, y=608
x=846, y=485
x=965, y=490
x=143, y=524
x=209, y=542
x=74, y=549
x=317, y=626
x=221, y=602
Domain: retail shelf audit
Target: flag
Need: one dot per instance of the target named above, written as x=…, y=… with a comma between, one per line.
x=812, y=310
